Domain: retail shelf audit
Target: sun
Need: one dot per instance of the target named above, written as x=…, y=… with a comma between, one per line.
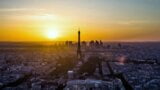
x=52, y=33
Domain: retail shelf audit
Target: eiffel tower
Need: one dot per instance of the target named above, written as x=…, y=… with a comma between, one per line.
x=79, y=45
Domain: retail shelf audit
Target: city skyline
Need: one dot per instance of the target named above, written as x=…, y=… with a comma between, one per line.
x=109, y=20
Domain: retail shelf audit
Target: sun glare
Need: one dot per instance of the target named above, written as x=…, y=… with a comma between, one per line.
x=52, y=33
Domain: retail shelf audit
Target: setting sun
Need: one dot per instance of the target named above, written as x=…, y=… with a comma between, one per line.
x=52, y=33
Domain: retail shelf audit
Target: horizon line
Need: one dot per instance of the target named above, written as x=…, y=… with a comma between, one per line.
x=81, y=41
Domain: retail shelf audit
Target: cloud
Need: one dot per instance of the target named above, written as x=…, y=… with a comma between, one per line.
x=19, y=9
x=132, y=22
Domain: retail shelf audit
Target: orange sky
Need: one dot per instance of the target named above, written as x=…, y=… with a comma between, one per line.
x=26, y=20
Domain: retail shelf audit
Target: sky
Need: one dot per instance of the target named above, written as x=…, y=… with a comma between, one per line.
x=109, y=20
